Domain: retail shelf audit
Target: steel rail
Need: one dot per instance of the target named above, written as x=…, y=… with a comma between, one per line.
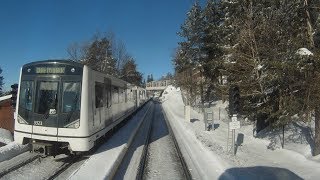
x=183, y=162
x=143, y=159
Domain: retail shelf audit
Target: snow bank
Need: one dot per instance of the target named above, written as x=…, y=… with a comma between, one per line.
x=5, y=136
x=298, y=137
x=11, y=150
x=105, y=161
x=254, y=158
x=203, y=164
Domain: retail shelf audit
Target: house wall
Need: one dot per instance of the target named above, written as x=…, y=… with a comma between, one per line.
x=6, y=115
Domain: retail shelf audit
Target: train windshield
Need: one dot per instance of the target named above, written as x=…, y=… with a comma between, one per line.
x=50, y=94
x=47, y=98
x=54, y=103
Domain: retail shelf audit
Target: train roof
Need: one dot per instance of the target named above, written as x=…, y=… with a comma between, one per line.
x=76, y=64
x=54, y=61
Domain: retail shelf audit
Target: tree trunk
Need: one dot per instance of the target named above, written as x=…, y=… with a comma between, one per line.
x=201, y=88
x=308, y=23
x=316, y=150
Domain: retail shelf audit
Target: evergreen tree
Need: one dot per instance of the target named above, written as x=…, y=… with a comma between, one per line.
x=148, y=78
x=256, y=61
x=130, y=74
x=213, y=34
x=190, y=53
x=181, y=60
x=309, y=63
x=193, y=32
x=143, y=83
x=256, y=45
x=99, y=56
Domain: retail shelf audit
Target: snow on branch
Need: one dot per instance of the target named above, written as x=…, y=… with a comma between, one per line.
x=304, y=52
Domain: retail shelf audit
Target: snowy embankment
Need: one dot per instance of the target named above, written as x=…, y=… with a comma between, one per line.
x=257, y=157
x=105, y=161
x=5, y=136
x=10, y=148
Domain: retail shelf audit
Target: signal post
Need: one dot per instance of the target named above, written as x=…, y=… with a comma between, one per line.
x=14, y=92
x=234, y=109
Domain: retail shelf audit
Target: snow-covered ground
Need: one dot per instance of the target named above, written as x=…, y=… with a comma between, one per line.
x=10, y=148
x=5, y=136
x=258, y=157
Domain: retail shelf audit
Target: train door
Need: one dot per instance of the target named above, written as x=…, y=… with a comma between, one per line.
x=46, y=106
x=107, y=101
x=99, y=88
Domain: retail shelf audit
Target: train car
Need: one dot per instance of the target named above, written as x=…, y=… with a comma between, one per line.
x=65, y=107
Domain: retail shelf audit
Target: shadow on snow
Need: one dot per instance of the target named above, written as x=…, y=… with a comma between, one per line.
x=258, y=172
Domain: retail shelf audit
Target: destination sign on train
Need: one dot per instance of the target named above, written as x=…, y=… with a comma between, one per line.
x=50, y=70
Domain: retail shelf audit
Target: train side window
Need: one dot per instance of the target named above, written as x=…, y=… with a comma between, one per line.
x=120, y=95
x=99, y=94
x=71, y=96
x=115, y=95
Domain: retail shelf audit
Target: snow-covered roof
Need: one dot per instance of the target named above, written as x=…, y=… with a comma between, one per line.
x=5, y=97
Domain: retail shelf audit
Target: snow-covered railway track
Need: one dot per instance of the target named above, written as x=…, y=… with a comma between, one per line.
x=23, y=159
x=163, y=158
x=154, y=153
x=33, y=166
x=64, y=166
x=183, y=162
x=142, y=163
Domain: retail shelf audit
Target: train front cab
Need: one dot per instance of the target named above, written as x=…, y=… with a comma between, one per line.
x=48, y=107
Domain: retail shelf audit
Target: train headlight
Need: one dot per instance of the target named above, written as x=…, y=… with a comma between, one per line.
x=21, y=120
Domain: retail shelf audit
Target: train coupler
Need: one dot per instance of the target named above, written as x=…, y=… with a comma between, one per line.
x=44, y=149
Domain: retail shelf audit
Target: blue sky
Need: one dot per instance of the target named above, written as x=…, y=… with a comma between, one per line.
x=43, y=29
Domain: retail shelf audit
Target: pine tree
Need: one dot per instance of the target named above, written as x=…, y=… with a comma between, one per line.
x=310, y=65
x=212, y=48
x=99, y=56
x=148, y=78
x=181, y=60
x=130, y=74
x=190, y=53
x=260, y=65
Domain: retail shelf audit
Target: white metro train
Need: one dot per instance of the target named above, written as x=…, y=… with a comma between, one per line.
x=65, y=107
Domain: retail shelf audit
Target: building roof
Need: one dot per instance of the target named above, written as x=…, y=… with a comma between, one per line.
x=2, y=98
